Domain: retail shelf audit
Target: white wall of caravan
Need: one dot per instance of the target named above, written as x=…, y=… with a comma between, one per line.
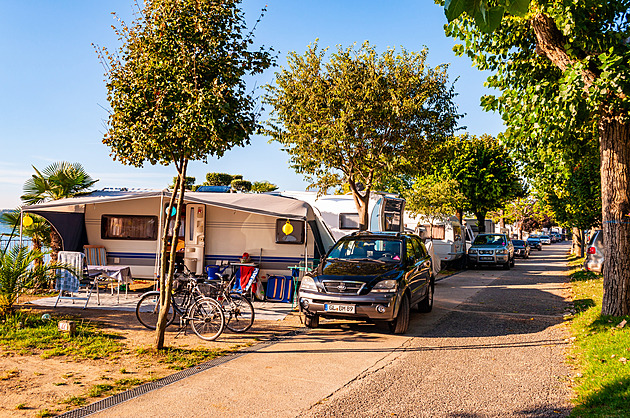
x=228, y=234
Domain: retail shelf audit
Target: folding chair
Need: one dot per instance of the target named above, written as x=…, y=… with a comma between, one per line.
x=72, y=281
x=96, y=255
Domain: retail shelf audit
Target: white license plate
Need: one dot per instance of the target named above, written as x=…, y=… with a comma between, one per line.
x=485, y=258
x=329, y=307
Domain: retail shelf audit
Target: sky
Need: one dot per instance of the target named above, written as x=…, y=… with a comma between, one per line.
x=53, y=99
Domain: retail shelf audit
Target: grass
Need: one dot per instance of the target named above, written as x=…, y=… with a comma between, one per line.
x=182, y=358
x=29, y=334
x=601, y=352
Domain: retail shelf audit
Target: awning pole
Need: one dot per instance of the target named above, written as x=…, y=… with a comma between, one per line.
x=21, y=218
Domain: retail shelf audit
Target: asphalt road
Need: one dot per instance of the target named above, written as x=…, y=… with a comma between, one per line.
x=493, y=346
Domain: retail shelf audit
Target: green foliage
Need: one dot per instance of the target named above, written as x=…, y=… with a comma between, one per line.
x=357, y=117
x=263, y=186
x=189, y=183
x=218, y=179
x=176, y=86
x=486, y=14
x=19, y=272
x=434, y=197
x=38, y=231
x=241, y=185
x=600, y=352
x=481, y=166
x=57, y=181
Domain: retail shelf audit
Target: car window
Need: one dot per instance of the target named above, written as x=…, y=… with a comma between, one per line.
x=412, y=257
x=518, y=242
x=371, y=249
x=421, y=250
x=490, y=239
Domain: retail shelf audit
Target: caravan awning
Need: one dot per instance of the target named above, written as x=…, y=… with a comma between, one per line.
x=264, y=204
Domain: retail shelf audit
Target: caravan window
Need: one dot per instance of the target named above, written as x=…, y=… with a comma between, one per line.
x=289, y=231
x=132, y=227
x=392, y=214
x=348, y=221
x=435, y=232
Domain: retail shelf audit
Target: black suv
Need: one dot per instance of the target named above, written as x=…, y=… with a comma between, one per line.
x=367, y=275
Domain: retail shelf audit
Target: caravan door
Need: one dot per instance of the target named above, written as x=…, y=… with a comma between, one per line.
x=195, y=237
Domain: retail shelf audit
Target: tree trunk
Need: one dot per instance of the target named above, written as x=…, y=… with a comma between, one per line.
x=481, y=221
x=166, y=277
x=578, y=242
x=56, y=244
x=614, y=137
x=460, y=216
x=362, y=204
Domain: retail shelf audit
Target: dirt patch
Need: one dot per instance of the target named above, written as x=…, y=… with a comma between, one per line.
x=30, y=384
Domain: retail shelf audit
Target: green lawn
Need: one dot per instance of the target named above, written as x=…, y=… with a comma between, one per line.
x=601, y=353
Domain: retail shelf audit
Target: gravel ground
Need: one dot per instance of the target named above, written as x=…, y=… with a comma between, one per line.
x=499, y=354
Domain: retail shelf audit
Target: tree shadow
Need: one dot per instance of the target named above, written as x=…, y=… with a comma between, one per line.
x=610, y=401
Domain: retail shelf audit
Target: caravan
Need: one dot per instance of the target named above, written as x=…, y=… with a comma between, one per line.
x=450, y=239
x=217, y=228
x=339, y=212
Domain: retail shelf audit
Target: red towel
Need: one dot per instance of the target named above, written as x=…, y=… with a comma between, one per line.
x=246, y=274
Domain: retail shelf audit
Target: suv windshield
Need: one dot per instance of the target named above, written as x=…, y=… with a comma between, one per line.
x=370, y=249
x=489, y=240
x=518, y=242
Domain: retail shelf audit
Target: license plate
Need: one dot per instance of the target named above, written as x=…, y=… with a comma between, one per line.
x=486, y=258
x=328, y=307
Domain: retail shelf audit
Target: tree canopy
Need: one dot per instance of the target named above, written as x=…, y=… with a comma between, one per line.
x=356, y=117
x=562, y=71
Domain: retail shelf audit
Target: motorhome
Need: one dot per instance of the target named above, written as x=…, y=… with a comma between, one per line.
x=217, y=228
x=339, y=212
x=449, y=238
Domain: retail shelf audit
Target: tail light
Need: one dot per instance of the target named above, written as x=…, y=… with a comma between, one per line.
x=591, y=250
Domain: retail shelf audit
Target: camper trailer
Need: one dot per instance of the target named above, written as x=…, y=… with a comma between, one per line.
x=339, y=212
x=216, y=228
x=450, y=239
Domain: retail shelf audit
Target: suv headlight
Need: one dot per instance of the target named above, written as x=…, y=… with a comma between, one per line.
x=308, y=284
x=501, y=251
x=385, y=286
x=471, y=251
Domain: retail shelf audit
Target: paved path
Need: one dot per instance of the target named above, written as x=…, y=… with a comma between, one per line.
x=493, y=346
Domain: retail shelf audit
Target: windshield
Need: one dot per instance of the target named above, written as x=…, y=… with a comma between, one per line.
x=367, y=249
x=518, y=242
x=489, y=240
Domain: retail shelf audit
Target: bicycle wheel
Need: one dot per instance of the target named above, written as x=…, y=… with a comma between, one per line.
x=206, y=318
x=239, y=312
x=148, y=309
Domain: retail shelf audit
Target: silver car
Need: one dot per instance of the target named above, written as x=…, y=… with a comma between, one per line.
x=491, y=249
x=595, y=252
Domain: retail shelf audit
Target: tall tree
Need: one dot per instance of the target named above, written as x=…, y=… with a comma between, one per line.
x=57, y=181
x=562, y=68
x=485, y=172
x=177, y=92
x=359, y=117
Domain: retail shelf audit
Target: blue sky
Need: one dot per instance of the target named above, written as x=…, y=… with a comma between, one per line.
x=53, y=97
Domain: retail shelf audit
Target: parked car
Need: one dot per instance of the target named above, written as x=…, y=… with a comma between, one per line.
x=488, y=249
x=368, y=275
x=521, y=248
x=534, y=242
x=595, y=252
x=545, y=239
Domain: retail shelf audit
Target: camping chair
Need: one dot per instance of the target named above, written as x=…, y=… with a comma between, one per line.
x=114, y=275
x=72, y=281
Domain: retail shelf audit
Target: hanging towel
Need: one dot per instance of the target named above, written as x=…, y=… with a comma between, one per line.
x=67, y=280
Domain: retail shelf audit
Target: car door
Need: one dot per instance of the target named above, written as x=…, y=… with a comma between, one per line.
x=419, y=267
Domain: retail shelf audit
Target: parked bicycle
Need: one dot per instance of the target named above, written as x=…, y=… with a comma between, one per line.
x=238, y=310
x=205, y=315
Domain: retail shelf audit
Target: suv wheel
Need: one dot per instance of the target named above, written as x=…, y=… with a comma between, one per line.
x=426, y=304
x=512, y=262
x=506, y=266
x=311, y=321
x=401, y=323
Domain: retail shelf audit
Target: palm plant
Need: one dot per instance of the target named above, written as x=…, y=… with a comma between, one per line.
x=38, y=231
x=57, y=181
x=18, y=273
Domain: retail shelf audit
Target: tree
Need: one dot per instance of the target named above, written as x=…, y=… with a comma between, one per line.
x=434, y=198
x=39, y=231
x=562, y=68
x=189, y=183
x=57, y=181
x=359, y=117
x=263, y=186
x=177, y=92
x=218, y=179
x=484, y=171
x=241, y=185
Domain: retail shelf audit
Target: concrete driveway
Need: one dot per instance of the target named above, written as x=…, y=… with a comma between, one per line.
x=492, y=346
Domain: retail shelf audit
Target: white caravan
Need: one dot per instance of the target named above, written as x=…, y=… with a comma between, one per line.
x=450, y=240
x=339, y=212
x=217, y=228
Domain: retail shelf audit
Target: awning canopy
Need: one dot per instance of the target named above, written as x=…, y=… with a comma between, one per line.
x=264, y=204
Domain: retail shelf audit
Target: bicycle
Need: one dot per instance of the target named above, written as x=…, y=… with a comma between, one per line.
x=238, y=310
x=205, y=314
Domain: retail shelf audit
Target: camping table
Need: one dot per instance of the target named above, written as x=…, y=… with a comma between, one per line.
x=112, y=274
